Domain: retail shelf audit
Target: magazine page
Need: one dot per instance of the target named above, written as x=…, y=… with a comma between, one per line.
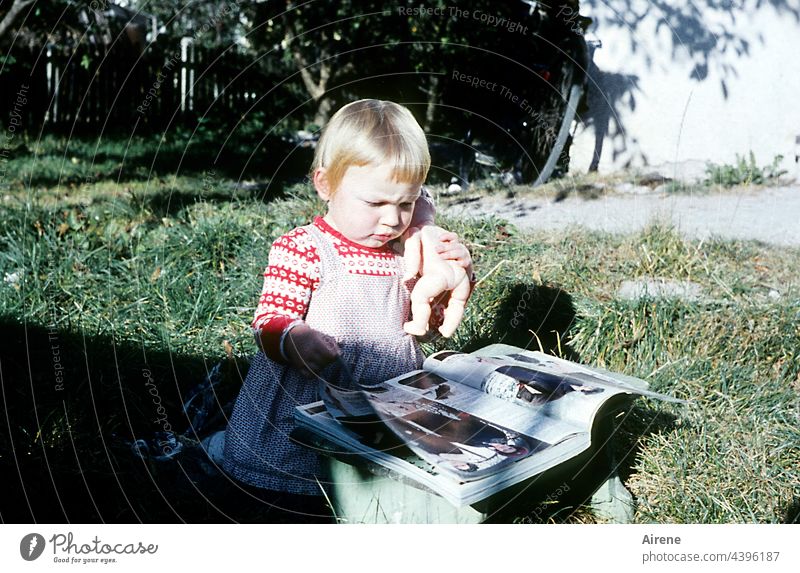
x=550, y=392
x=611, y=380
x=402, y=464
x=454, y=438
x=356, y=437
x=523, y=419
x=408, y=466
x=343, y=403
x=343, y=440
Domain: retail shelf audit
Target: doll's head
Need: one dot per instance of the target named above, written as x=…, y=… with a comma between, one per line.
x=372, y=132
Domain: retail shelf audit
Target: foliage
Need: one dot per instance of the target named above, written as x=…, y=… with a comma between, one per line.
x=745, y=171
x=210, y=23
x=335, y=54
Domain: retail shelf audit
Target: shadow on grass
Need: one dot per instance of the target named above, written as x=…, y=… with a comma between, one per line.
x=792, y=514
x=169, y=203
x=279, y=161
x=536, y=317
x=71, y=407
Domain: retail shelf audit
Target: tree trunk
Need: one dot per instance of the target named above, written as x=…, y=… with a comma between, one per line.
x=433, y=101
x=17, y=7
x=324, y=106
x=315, y=86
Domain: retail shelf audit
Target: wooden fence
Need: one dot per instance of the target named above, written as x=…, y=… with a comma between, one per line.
x=90, y=88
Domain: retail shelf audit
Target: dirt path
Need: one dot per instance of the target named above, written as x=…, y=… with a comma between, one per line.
x=771, y=215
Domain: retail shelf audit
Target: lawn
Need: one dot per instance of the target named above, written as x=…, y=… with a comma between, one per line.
x=121, y=294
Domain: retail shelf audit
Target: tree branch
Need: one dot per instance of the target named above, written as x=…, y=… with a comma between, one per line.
x=314, y=89
x=17, y=7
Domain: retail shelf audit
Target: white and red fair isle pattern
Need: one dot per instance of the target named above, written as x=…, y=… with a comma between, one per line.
x=293, y=274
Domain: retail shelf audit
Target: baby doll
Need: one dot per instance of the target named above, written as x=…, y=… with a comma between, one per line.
x=437, y=276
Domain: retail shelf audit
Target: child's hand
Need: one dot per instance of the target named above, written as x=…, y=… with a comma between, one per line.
x=450, y=248
x=310, y=351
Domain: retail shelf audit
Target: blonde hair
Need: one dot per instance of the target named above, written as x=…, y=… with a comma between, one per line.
x=373, y=132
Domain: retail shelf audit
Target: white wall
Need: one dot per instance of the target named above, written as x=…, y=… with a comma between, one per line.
x=679, y=82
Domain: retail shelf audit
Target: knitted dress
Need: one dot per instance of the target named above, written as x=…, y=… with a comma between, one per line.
x=361, y=301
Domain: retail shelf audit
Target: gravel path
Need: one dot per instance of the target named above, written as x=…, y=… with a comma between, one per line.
x=771, y=215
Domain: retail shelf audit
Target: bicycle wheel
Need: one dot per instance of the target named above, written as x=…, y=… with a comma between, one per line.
x=571, y=101
x=547, y=149
x=514, y=122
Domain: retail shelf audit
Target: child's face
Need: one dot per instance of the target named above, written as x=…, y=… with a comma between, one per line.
x=369, y=207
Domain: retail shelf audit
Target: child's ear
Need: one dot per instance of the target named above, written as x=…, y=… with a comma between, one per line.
x=321, y=183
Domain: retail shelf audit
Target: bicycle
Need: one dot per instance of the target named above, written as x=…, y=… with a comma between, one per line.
x=528, y=143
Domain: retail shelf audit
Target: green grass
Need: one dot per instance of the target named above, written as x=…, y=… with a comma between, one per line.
x=69, y=162
x=66, y=163
x=166, y=272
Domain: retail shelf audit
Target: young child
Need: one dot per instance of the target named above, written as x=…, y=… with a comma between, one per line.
x=334, y=288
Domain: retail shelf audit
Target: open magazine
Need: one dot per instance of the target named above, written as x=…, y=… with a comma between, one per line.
x=469, y=425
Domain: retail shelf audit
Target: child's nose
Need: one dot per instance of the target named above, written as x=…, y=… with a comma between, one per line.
x=391, y=216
